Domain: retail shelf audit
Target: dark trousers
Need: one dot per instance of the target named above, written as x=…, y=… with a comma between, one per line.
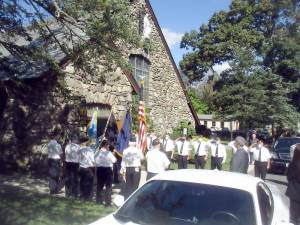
x=150, y=175
x=216, y=162
x=55, y=183
x=199, y=161
x=251, y=157
x=116, y=170
x=86, y=183
x=104, y=178
x=72, y=176
x=169, y=154
x=260, y=169
x=182, y=162
x=133, y=176
x=294, y=212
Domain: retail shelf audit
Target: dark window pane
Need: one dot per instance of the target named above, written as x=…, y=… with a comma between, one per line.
x=185, y=203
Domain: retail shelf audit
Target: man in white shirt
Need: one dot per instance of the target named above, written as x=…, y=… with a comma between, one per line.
x=157, y=161
x=54, y=164
x=104, y=160
x=184, y=149
x=72, y=168
x=218, y=153
x=86, y=169
x=131, y=167
x=201, y=152
x=261, y=156
x=167, y=145
x=150, y=139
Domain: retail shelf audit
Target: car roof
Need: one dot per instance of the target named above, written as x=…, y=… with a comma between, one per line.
x=212, y=177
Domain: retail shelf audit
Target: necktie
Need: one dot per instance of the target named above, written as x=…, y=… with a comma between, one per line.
x=217, y=150
x=181, y=148
x=259, y=155
x=197, y=152
x=165, y=144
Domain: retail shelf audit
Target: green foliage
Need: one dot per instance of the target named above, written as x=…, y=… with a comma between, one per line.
x=199, y=106
x=85, y=31
x=178, y=131
x=260, y=41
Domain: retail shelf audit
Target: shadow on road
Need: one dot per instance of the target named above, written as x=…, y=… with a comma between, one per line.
x=278, y=182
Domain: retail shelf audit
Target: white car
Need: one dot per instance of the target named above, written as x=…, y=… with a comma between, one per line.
x=204, y=197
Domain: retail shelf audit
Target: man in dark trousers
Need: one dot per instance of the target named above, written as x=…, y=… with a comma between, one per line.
x=218, y=153
x=262, y=158
x=131, y=167
x=54, y=164
x=72, y=168
x=240, y=159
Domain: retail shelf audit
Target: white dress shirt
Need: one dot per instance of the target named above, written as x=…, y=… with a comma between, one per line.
x=203, y=148
x=232, y=145
x=86, y=157
x=185, y=149
x=167, y=144
x=71, y=152
x=265, y=154
x=132, y=157
x=157, y=161
x=221, y=150
x=54, y=150
x=104, y=158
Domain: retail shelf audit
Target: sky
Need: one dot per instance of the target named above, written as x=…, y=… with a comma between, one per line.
x=179, y=16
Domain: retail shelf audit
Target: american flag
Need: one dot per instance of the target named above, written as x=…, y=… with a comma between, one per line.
x=142, y=139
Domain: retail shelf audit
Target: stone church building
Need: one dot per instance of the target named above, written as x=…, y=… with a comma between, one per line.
x=40, y=102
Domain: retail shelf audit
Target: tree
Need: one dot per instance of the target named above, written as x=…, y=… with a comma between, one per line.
x=199, y=106
x=83, y=31
x=260, y=40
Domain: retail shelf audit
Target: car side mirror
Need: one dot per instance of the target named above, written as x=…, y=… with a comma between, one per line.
x=118, y=200
x=283, y=223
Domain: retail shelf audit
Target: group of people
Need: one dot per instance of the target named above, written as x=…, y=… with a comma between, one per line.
x=82, y=165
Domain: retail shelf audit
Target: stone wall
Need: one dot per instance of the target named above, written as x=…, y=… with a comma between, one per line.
x=167, y=101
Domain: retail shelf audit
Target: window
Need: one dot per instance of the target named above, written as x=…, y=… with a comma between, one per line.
x=222, y=124
x=266, y=203
x=141, y=72
x=184, y=203
x=213, y=123
x=205, y=123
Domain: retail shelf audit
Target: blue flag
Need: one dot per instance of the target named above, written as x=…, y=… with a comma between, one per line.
x=92, y=127
x=125, y=133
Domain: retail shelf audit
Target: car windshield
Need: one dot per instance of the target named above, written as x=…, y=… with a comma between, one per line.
x=171, y=202
x=286, y=143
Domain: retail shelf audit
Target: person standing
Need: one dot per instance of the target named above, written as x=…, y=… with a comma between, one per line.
x=86, y=169
x=72, y=168
x=150, y=139
x=252, y=144
x=218, y=153
x=167, y=145
x=157, y=161
x=240, y=159
x=184, y=149
x=293, y=188
x=54, y=164
x=261, y=156
x=201, y=153
x=104, y=160
x=131, y=167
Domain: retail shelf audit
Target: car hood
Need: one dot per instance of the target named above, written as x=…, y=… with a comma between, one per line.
x=110, y=220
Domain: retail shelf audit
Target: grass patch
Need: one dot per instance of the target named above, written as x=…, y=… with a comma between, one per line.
x=22, y=207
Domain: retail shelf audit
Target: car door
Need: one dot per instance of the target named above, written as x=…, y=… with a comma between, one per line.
x=266, y=203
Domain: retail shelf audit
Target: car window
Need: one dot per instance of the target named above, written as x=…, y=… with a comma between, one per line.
x=172, y=202
x=286, y=143
x=266, y=203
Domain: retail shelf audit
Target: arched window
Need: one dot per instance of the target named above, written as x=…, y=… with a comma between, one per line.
x=141, y=67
